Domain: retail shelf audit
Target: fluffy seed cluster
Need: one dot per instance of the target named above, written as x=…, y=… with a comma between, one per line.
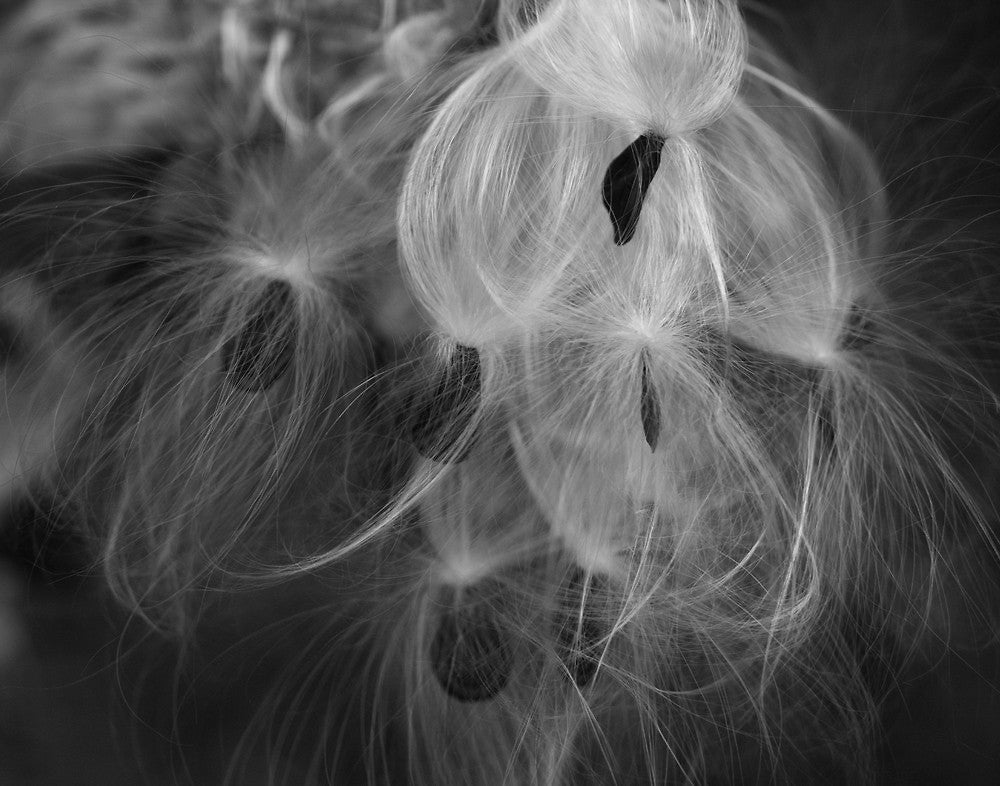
x=571, y=344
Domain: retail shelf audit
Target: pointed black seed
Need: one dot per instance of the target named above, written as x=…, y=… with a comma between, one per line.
x=470, y=658
x=12, y=346
x=826, y=434
x=859, y=331
x=627, y=181
x=263, y=350
x=649, y=407
x=579, y=633
x=440, y=420
x=43, y=538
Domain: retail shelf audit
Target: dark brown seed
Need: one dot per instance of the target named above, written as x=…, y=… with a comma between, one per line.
x=826, y=433
x=440, y=420
x=469, y=655
x=579, y=633
x=42, y=537
x=626, y=182
x=263, y=351
x=859, y=331
x=12, y=346
x=649, y=407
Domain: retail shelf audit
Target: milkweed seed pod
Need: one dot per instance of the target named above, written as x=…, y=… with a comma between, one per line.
x=592, y=402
